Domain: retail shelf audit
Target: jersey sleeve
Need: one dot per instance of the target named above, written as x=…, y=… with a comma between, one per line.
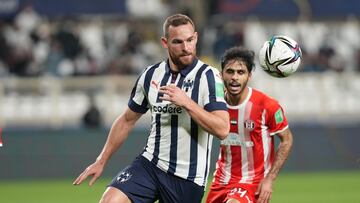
x=138, y=101
x=213, y=91
x=277, y=121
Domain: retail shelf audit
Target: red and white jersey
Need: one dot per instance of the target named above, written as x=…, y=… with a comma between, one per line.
x=247, y=153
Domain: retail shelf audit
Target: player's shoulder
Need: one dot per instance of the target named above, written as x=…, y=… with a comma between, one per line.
x=149, y=71
x=263, y=99
x=153, y=66
x=208, y=69
x=213, y=69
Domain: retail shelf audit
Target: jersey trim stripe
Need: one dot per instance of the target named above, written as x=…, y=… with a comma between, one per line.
x=227, y=166
x=173, y=144
x=194, y=126
x=133, y=105
x=163, y=83
x=213, y=105
x=279, y=131
x=148, y=76
x=244, y=154
x=174, y=135
x=211, y=85
x=207, y=157
x=265, y=142
x=181, y=81
x=157, y=139
x=249, y=139
x=144, y=105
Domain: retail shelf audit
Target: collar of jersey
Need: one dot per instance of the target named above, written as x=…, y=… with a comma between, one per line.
x=183, y=71
x=244, y=102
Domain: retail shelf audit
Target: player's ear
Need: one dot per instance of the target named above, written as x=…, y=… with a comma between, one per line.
x=164, y=42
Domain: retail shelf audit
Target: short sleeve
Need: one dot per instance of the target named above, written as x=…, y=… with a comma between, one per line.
x=213, y=88
x=138, y=101
x=277, y=121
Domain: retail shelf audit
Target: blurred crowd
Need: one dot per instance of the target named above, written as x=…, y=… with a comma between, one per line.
x=33, y=45
x=326, y=45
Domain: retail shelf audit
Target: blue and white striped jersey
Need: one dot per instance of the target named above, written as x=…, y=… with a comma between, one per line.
x=176, y=144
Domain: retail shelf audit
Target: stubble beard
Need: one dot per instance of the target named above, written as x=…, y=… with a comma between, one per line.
x=237, y=94
x=179, y=63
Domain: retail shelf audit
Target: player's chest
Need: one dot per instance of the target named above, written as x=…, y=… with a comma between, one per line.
x=247, y=119
x=185, y=83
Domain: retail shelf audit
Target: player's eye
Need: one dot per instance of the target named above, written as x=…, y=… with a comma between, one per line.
x=176, y=41
x=241, y=72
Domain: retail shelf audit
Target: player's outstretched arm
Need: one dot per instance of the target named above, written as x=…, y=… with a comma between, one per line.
x=118, y=133
x=216, y=122
x=265, y=188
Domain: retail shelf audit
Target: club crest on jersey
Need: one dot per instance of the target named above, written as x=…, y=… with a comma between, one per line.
x=124, y=176
x=249, y=125
x=187, y=85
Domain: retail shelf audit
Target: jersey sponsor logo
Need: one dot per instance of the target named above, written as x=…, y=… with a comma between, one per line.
x=187, y=85
x=168, y=108
x=279, y=116
x=124, y=176
x=249, y=125
x=219, y=89
x=234, y=139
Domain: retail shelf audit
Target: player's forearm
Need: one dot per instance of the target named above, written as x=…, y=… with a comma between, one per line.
x=280, y=157
x=117, y=136
x=217, y=125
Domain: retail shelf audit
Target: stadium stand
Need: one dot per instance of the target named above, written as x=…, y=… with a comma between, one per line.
x=53, y=60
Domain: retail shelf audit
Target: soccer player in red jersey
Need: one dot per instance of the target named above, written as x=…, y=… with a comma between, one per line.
x=248, y=163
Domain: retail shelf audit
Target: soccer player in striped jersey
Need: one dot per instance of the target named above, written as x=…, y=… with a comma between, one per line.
x=186, y=99
x=248, y=163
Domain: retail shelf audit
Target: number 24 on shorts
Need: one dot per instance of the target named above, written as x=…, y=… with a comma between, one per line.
x=239, y=193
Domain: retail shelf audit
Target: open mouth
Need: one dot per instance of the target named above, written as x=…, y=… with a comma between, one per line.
x=234, y=85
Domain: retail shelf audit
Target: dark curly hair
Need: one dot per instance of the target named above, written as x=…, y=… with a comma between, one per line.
x=241, y=54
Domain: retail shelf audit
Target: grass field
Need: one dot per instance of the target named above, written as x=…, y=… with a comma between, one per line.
x=327, y=187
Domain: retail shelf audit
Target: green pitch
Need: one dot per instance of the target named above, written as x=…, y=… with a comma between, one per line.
x=327, y=187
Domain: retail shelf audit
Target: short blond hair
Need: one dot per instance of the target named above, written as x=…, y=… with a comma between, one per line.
x=176, y=20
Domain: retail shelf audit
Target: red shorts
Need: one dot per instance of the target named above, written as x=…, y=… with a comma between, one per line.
x=244, y=193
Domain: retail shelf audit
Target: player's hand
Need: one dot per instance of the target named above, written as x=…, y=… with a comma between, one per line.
x=264, y=191
x=94, y=170
x=174, y=94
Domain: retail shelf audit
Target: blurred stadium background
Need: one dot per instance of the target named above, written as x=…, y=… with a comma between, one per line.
x=67, y=67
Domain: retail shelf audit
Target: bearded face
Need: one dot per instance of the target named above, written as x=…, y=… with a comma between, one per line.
x=181, y=45
x=235, y=76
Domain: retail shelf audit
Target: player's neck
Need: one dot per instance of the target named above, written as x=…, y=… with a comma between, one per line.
x=175, y=68
x=237, y=99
